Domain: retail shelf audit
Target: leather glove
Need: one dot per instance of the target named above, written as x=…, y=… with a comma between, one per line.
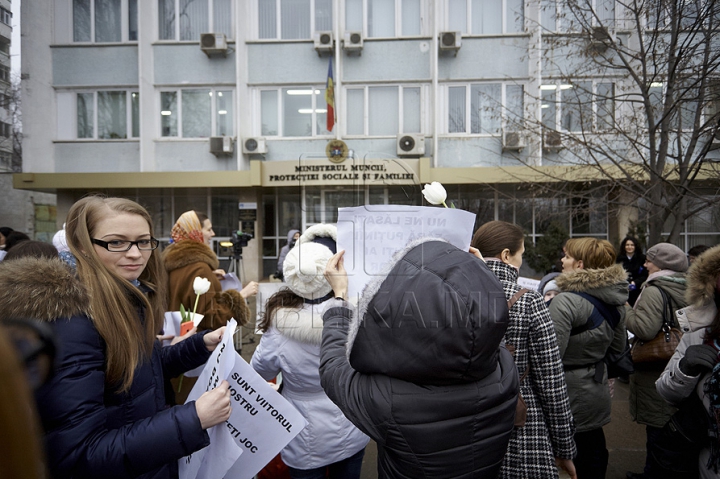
x=698, y=358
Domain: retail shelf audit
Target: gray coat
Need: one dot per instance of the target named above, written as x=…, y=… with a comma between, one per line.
x=589, y=400
x=645, y=320
x=422, y=372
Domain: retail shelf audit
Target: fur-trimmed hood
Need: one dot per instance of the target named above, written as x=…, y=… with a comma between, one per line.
x=180, y=254
x=304, y=325
x=607, y=284
x=42, y=289
x=436, y=316
x=702, y=278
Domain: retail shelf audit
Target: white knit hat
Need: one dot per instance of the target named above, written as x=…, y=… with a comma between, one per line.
x=304, y=267
x=59, y=240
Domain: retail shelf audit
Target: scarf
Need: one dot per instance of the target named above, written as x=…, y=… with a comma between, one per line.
x=656, y=274
x=712, y=389
x=187, y=227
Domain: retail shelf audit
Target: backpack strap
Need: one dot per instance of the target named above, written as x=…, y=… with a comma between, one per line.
x=601, y=312
x=516, y=296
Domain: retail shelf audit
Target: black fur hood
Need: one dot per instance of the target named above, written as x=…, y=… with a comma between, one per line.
x=42, y=289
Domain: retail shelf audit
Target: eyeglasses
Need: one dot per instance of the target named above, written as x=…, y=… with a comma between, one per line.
x=120, y=246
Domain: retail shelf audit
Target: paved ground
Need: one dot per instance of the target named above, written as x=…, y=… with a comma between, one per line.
x=625, y=439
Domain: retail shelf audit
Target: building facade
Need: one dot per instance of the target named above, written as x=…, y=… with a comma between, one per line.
x=215, y=104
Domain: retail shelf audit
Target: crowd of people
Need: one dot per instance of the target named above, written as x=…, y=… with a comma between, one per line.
x=453, y=368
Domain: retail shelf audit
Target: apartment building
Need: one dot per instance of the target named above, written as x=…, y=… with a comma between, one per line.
x=222, y=106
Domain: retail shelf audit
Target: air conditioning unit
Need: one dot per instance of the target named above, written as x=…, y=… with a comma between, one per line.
x=213, y=43
x=221, y=145
x=254, y=146
x=450, y=41
x=353, y=42
x=513, y=141
x=324, y=42
x=409, y=144
x=552, y=141
x=600, y=39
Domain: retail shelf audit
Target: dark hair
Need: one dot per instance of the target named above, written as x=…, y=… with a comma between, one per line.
x=284, y=298
x=495, y=236
x=201, y=217
x=36, y=249
x=5, y=230
x=638, y=248
x=697, y=250
x=14, y=238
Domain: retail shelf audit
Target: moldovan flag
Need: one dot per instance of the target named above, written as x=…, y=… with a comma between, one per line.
x=330, y=97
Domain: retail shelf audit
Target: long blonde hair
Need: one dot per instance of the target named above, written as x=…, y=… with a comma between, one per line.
x=115, y=303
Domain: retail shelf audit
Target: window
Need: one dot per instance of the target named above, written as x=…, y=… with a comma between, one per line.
x=581, y=106
x=485, y=17
x=293, y=111
x=384, y=18
x=555, y=16
x=103, y=21
x=384, y=110
x=5, y=16
x=5, y=73
x=106, y=115
x=5, y=129
x=196, y=113
x=481, y=108
x=293, y=19
x=196, y=17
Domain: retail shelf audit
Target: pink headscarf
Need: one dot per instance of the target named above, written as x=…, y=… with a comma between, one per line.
x=187, y=227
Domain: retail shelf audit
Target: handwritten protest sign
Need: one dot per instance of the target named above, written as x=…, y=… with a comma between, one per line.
x=261, y=424
x=370, y=235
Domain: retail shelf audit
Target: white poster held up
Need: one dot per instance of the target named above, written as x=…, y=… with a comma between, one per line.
x=370, y=235
x=261, y=424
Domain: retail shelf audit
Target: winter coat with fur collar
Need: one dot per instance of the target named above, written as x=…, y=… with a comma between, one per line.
x=186, y=260
x=419, y=367
x=589, y=400
x=91, y=429
x=291, y=346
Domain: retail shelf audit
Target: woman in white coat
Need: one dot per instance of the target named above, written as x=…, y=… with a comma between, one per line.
x=694, y=368
x=329, y=446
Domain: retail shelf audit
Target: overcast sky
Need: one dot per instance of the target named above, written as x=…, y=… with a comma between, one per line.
x=15, y=40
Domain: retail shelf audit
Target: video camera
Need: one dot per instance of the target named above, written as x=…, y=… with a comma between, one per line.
x=239, y=240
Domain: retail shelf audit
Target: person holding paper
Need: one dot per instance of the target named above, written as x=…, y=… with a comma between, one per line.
x=547, y=435
x=292, y=327
x=189, y=257
x=103, y=412
x=418, y=365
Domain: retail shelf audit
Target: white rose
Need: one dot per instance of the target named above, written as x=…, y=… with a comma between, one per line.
x=435, y=194
x=201, y=285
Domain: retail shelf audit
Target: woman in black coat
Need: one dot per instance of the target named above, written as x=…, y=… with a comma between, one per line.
x=633, y=260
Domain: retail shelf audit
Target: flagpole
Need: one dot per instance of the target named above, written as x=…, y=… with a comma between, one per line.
x=338, y=72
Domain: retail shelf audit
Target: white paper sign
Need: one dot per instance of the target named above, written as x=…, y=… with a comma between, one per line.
x=529, y=283
x=370, y=235
x=230, y=281
x=261, y=424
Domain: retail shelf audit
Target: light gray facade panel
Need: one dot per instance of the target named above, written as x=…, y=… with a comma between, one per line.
x=390, y=60
x=375, y=148
x=95, y=66
x=286, y=63
x=464, y=152
x=179, y=64
x=97, y=157
x=480, y=58
x=191, y=156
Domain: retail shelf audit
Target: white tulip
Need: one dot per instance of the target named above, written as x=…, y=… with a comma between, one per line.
x=201, y=285
x=435, y=194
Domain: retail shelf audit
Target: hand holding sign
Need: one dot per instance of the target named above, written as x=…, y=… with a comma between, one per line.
x=336, y=275
x=213, y=407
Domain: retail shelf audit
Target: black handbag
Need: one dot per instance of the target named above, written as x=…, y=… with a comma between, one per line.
x=619, y=364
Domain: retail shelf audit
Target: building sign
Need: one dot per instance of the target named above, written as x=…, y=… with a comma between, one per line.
x=353, y=171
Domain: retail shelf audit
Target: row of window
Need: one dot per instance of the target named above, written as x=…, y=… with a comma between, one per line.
x=383, y=110
x=184, y=20
x=5, y=129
